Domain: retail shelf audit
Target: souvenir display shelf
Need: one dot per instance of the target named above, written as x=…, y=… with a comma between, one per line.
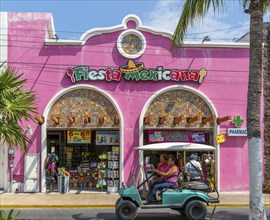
x=113, y=170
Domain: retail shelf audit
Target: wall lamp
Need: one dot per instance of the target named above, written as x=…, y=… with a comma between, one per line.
x=193, y=119
x=55, y=119
x=71, y=119
x=206, y=38
x=162, y=119
x=246, y=6
x=147, y=119
x=208, y=119
x=116, y=119
x=101, y=119
x=29, y=130
x=223, y=119
x=177, y=120
x=39, y=119
x=86, y=119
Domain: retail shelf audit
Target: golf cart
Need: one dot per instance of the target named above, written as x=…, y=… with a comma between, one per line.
x=190, y=199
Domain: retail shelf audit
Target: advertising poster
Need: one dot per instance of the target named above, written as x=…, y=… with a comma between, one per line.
x=176, y=136
x=221, y=138
x=79, y=137
x=107, y=138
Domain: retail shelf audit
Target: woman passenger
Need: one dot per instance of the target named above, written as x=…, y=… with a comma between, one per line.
x=169, y=179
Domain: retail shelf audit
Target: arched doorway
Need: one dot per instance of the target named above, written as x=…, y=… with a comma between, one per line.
x=84, y=126
x=176, y=114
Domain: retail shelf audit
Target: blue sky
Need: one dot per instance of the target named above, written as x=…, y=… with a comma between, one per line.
x=73, y=17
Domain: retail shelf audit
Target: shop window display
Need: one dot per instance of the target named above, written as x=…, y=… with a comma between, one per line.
x=93, y=163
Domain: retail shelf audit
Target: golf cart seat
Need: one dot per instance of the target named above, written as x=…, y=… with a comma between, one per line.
x=184, y=183
x=198, y=186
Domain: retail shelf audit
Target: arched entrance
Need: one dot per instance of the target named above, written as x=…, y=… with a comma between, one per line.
x=176, y=114
x=84, y=126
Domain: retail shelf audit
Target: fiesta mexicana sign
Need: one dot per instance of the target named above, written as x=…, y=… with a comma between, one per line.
x=135, y=71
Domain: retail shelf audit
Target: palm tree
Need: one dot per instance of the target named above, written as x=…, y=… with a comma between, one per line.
x=193, y=9
x=16, y=104
x=266, y=89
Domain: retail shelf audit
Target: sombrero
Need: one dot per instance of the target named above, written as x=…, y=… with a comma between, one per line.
x=131, y=67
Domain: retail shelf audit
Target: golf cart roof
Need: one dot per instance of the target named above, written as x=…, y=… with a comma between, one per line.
x=176, y=146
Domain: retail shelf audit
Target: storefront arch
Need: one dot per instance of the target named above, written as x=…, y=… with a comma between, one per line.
x=195, y=92
x=46, y=116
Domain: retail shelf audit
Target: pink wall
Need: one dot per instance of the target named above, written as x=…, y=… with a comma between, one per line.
x=45, y=66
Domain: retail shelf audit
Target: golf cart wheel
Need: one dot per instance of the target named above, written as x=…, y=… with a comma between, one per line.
x=195, y=210
x=126, y=210
x=117, y=202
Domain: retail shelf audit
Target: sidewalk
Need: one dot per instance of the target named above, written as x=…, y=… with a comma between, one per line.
x=98, y=200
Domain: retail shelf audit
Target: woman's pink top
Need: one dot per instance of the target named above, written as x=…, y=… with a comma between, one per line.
x=163, y=168
x=173, y=178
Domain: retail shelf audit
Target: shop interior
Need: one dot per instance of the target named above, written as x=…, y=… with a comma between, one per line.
x=91, y=164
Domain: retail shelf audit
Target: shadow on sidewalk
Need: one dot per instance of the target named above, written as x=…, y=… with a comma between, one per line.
x=231, y=215
x=140, y=216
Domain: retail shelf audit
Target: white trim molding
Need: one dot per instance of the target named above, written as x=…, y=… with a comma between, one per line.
x=196, y=92
x=3, y=38
x=44, y=128
x=139, y=27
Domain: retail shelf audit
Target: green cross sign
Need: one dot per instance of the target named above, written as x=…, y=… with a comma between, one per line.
x=237, y=121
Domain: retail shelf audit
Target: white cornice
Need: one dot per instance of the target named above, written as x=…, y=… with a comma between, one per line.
x=63, y=42
x=217, y=44
x=123, y=26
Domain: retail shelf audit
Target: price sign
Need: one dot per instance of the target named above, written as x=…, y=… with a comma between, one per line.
x=79, y=137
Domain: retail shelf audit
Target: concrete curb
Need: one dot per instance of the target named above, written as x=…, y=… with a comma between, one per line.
x=230, y=205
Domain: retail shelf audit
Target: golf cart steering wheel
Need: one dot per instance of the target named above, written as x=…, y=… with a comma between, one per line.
x=148, y=177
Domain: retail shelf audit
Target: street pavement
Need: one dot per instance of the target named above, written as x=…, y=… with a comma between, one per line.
x=109, y=214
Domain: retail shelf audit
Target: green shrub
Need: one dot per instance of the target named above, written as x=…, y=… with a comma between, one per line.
x=213, y=212
x=9, y=216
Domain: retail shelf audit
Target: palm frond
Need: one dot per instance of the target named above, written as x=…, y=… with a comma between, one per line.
x=192, y=10
x=16, y=104
x=266, y=5
x=13, y=134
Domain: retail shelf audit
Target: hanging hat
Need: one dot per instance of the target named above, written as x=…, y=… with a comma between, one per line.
x=131, y=67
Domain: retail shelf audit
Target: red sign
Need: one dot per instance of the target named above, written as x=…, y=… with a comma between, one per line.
x=176, y=136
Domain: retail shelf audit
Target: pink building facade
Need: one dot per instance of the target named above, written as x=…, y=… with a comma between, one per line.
x=124, y=82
